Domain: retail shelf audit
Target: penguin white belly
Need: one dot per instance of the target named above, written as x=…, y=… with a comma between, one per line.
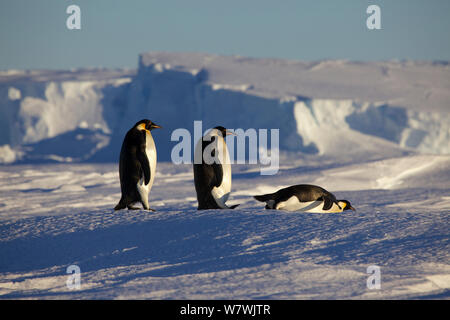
x=293, y=204
x=150, y=151
x=222, y=192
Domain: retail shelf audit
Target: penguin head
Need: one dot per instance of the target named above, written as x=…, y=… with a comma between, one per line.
x=345, y=205
x=224, y=131
x=146, y=125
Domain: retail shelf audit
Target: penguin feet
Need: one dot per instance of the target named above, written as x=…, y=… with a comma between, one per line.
x=137, y=208
x=133, y=208
x=120, y=205
x=146, y=206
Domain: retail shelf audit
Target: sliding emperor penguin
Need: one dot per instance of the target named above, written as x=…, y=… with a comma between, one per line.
x=304, y=198
x=137, y=165
x=212, y=170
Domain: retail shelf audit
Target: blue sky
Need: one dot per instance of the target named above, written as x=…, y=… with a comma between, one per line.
x=33, y=34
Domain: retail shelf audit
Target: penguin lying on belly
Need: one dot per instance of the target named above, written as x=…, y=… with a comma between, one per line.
x=137, y=165
x=304, y=198
x=212, y=173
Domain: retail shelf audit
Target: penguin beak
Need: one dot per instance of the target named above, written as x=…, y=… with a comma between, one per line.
x=155, y=126
x=351, y=208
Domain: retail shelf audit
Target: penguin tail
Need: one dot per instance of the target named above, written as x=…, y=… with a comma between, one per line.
x=264, y=197
x=234, y=206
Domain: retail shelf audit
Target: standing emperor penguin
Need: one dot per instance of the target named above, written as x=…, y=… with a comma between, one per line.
x=137, y=165
x=212, y=170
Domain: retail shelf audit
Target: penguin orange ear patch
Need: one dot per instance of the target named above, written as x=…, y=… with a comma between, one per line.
x=142, y=127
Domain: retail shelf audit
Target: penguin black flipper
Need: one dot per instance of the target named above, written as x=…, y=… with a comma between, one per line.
x=143, y=160
x=328, y=202
x=218, y=174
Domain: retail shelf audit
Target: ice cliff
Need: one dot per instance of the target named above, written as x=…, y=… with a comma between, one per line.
x=328, y=108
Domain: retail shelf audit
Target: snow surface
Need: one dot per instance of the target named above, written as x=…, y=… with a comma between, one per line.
x=376, y=134
x=319, y=107
x=54, y=216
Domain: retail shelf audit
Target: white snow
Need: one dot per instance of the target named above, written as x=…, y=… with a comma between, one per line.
x=40, y=105
x=376, y=134
x=7, y=155
x=327, y=123
x=14, y=94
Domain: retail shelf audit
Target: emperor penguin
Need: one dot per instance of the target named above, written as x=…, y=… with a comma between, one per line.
x=304, y=198
x=137, y=165
x=212, y=170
